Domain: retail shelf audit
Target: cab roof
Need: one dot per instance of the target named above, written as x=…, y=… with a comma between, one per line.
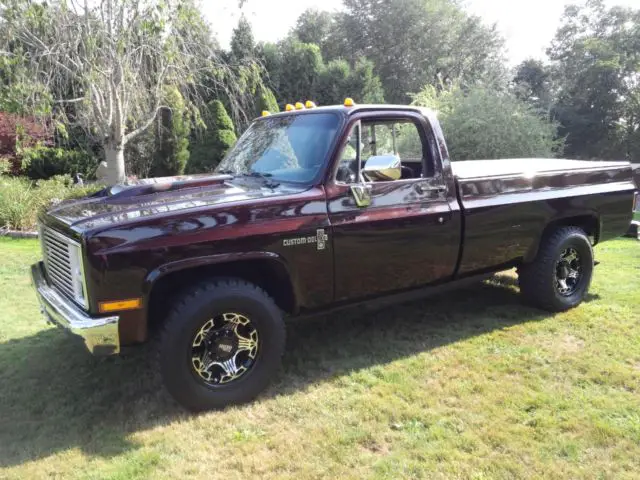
x=348, y=111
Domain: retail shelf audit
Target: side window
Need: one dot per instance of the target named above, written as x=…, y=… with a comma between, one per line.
x=395, y=137
x=399, y=137
x=348, y=165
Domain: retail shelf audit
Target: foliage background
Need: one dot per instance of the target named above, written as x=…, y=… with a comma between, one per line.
x=482, y=123
x=582, y=102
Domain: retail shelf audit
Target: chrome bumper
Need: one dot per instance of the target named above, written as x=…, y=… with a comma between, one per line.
x=100, y=334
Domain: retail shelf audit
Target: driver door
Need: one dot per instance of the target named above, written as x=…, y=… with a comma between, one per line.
x=390, y=235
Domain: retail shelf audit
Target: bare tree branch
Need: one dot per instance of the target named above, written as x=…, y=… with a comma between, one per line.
x=70, y=100
x=130, y=136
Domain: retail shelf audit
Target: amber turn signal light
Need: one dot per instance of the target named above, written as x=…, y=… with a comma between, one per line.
x=120, y=305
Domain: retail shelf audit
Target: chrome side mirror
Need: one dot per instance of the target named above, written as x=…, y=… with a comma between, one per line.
x=382, y=168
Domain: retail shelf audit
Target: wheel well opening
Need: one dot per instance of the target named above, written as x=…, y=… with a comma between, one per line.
x=588, y=223
x=269, y=275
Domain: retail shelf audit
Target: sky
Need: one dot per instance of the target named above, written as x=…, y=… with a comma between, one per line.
x=527, y=25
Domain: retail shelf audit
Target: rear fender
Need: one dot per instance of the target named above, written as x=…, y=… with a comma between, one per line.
x=589, y=221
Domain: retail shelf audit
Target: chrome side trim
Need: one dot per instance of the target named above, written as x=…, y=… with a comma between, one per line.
x=100, y=334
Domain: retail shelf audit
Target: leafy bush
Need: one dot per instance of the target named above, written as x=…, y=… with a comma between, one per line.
x=266, y=101
x=482, y=123
x=16, y=134
x=21, y=199
x=172, y=151
x=218, y=139
x=339, y=80
x=42, y=162
x=5, y=165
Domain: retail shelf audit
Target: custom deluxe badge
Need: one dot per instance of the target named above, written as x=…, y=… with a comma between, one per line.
x=320, y=240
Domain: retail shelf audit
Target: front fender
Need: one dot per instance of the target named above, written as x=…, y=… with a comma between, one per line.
x=195, y=262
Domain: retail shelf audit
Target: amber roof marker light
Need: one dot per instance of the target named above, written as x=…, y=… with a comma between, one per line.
x=309, y=104
x=299, y=106
x=289, y=107
x=348, y=102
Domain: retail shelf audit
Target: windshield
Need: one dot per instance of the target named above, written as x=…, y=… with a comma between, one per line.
x=290, y=148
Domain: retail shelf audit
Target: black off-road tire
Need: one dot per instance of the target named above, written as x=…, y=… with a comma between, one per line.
x=192, y=310
x=537, y=279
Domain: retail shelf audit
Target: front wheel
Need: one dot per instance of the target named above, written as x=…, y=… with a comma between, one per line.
x=559, y=277
x=221, y=344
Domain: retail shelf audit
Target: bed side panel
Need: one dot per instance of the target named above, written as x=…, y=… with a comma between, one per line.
x=506, y=216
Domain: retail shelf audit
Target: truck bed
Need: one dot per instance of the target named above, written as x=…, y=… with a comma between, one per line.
x=506, y=204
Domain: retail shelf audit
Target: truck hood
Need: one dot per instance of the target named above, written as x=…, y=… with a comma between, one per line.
x=162, y=196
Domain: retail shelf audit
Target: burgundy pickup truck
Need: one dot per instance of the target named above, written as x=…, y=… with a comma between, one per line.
x=312, y=210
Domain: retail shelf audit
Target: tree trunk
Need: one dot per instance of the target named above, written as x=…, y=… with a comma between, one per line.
x=114, y=155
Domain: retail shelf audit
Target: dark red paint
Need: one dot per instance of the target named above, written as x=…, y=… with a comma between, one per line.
x=416, y=232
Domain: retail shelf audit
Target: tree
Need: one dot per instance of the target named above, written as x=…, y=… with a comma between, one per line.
x=338, y=80
x=413, y=42
x=266, y=101
x=596, y=58
x=269, y=56
x=114, y=59
x=242, y=42
x=482, y=123
x=297, y=72
x=298, y=69
x=533, y=84
x=365, y=84
x=333, y=83
x=320, y=28
x=218, y=138
x=172, y=152
x=18, y=89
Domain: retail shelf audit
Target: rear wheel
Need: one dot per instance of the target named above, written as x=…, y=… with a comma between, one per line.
x=221, y=344
x=559, y=277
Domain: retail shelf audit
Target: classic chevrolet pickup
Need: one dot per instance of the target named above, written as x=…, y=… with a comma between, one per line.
x=313, y=209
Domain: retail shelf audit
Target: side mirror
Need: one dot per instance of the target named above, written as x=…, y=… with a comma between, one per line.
x=382, y=168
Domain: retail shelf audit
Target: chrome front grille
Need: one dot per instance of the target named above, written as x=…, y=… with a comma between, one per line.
x=62, y=260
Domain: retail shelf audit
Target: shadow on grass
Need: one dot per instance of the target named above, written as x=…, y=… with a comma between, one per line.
x=54, y=396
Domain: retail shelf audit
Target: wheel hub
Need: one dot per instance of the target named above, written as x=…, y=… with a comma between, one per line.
x=222, y=344
x=224, y=348
x=568, y=272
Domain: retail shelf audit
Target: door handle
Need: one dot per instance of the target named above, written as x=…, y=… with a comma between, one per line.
x=421, y=189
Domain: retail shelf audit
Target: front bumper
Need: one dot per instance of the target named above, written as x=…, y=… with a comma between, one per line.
x=100, y=334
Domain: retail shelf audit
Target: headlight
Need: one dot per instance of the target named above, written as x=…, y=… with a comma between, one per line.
x=77, y=275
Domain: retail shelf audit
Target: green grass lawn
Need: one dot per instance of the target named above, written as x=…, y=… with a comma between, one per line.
x=467, y=385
